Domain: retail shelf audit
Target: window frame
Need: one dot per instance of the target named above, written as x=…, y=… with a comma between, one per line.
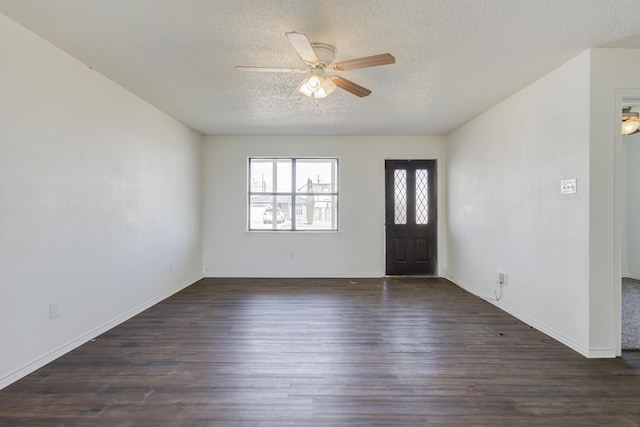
x=293, y=194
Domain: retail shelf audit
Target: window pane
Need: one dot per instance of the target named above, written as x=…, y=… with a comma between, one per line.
x=400, y=196
x=284, y=176
x=283, y=213
x=422, y=196
x=257, y=208
x=261, y=173
x=262, y=216
x=318, y=212
x=316, y=175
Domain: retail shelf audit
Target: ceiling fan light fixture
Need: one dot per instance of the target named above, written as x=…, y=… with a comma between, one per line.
x=630, y=126
x=630, y=122
x=317, y=86
x=313, y=83
x=328, y=86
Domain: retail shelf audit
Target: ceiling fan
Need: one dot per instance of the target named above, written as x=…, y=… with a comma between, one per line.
x=319, y=59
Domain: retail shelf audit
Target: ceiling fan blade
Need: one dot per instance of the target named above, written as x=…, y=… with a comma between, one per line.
x=368, y=61
x=350, y=86
x=268, y=69
x=301, y=44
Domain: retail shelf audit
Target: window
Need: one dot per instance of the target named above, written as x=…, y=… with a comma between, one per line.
x=421, y=195
x=293, y=194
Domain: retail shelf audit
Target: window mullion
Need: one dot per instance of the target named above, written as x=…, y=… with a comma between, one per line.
x=274, y=197
x=294, y=198
x=334, y=182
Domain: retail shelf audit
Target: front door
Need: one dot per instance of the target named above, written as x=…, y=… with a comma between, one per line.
x=411, y=217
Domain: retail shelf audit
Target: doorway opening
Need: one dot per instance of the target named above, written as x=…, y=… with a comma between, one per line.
x=628, y=190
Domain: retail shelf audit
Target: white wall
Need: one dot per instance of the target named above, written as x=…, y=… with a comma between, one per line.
x=357, y=250
x=506, y=212
x=99, y=203
x=561, y=253
x=630, y=161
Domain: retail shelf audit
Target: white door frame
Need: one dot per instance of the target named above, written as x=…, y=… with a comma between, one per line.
x=621, y=95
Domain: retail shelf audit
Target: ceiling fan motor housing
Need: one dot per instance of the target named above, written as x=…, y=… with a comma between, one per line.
x=325, y=53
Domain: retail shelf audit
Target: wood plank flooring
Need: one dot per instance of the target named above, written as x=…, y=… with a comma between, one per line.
x=325, y=352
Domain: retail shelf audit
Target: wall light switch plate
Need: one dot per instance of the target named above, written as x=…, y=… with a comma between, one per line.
x=54, y=310
x=568, y=186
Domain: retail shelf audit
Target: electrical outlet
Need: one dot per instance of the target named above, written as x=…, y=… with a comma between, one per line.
x=502, y=278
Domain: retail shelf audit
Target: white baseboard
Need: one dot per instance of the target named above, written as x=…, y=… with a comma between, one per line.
x=49, y=357
x=231, y=275
x=552, y=333
x=631, y=276
x=601, y=353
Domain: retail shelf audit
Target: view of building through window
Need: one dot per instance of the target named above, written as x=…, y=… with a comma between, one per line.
x=293, y=194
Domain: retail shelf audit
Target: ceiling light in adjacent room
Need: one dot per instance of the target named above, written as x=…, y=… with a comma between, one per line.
x=630, y=122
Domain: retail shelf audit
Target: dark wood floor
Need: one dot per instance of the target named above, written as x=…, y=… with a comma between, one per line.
x=338, y=352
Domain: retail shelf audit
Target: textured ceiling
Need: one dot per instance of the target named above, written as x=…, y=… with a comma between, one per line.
x=454, y=58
